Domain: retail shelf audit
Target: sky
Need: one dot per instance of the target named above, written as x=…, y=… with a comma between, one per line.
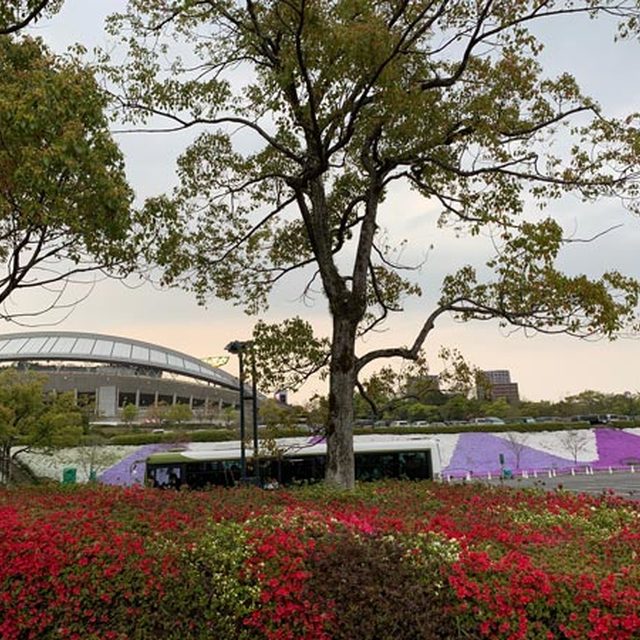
x=545, y=367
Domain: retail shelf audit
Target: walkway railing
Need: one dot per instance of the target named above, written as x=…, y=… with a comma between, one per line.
x=453, y=475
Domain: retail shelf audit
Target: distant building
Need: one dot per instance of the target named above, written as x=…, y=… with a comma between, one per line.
x=497, y=384
x=499, y=376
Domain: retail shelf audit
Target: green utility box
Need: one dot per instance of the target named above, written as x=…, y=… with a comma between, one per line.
x=69, y=475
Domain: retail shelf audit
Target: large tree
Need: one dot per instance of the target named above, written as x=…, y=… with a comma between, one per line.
x=64, y=200
x=310, y=113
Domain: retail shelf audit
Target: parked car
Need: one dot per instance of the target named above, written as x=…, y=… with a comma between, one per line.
x=489, y=420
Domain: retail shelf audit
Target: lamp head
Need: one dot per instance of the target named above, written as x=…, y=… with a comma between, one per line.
x=237, y=347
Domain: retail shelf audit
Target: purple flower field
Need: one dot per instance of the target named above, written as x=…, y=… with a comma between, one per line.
x=479, y=453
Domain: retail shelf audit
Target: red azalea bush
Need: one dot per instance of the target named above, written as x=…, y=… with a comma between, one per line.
x=409, y=560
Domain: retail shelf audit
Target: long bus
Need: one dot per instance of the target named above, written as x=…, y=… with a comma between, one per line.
x=294, y=461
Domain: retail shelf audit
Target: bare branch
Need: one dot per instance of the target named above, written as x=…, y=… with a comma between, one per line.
x=593, y=237
x=407, y=353
x=365, y=396
x=242, y=239
x=183, y=124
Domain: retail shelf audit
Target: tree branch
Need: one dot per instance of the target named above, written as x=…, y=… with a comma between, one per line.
x=33, y=15
x=186, y=124
x=407, y=353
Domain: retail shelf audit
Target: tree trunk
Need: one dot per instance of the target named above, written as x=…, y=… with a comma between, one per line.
x=5, y=464
x=340, y=470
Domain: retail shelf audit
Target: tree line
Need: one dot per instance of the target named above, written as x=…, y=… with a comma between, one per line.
x=437, y=407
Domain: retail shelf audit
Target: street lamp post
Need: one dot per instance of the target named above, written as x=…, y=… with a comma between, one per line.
x=238, y=348
x=254, y=416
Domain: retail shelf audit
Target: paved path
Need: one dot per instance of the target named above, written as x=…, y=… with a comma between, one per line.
x=622, y=483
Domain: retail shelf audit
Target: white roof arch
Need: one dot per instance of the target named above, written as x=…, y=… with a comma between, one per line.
x=95, y=347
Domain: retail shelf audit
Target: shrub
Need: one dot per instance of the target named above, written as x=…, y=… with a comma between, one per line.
x=378, y=589
x=137, y=439
x=202, y=435
x=206, y=592
x=212, y=435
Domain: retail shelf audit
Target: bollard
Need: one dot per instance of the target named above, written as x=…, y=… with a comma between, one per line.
x=488, y=475
x=610, y=470
x=633, y=469
x=550, y=473
x=525, y=474
x=573, y=471
x=535, y=474
x=468, y=476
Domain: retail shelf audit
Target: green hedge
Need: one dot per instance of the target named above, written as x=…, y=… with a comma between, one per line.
x=224, y=435
x=138, y=439
x=520, y=427
x=203, y=435
x=209, y=435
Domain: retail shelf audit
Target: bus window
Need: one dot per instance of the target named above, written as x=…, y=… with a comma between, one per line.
x=413, y=465
x=375, y=466
x=203, y=474
x=166, y=476
x=301, y=470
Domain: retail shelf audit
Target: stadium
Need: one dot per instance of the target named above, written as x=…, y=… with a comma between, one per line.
x=109, y=372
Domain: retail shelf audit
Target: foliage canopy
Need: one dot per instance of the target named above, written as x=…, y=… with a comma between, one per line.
x=29, y=420
x=64, y=199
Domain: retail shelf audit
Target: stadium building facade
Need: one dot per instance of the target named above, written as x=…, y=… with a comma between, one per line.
x=109, y=372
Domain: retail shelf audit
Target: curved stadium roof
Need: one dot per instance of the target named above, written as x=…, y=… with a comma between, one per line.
x=95, y=347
